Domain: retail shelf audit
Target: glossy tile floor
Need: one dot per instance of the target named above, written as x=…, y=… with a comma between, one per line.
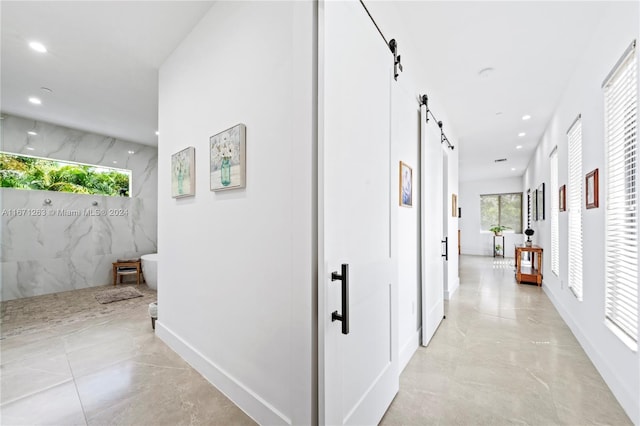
x=503, y=356
x=67, y=360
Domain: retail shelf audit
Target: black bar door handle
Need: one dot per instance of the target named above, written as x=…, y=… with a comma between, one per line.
x=446, y=248
x=344, y=317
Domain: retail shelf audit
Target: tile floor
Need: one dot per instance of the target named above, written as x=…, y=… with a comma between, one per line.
x=67, y=360
x=503, y=356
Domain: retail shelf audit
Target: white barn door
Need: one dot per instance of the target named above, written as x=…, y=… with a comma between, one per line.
x=433, y=246
x=358, y=366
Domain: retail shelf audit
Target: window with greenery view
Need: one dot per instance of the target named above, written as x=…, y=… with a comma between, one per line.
x=24, y=172
x=501, y=209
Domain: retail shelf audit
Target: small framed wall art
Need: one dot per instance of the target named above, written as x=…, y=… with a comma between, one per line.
x=541, y=201
x=228, y=159
x=406, y=185
x=454, y=205
x=591, y=193
x=183, y=173
x=562, y=198
x=534, y=205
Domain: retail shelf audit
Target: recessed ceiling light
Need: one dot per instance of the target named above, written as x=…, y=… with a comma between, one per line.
x=131, y=152
x=513, y=169
x=115, y=162
x=521, y=134
x=519, y=147
x=38, y=47
x=30, y=148
x=32, y=133
x=157, y=133
x=35, y=101
x=526, y=117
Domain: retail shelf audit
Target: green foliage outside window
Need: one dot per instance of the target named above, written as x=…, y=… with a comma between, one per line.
x=22, y=172
x=501, y=209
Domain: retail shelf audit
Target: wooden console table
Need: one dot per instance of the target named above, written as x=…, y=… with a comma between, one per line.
x=533, y=273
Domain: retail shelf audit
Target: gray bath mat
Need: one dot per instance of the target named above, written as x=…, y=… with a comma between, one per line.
x=117, y=294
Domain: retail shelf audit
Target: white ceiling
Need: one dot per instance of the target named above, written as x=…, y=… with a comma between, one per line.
x=103, y=62
x=533, y=47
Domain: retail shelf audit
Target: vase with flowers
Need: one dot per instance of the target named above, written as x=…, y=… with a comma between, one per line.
x=180, y=169
x=224, y=152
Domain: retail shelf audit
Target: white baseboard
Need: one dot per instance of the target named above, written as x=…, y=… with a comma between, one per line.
x=625, y=397
x=248, y=401
x=448, y=294
x=409, y=348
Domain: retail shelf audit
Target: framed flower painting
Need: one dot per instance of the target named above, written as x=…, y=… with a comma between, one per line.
x=228, y=157
x=406, y=185
x=183, y=173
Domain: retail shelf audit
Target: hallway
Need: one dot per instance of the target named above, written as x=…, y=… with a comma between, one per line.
x=503, y=355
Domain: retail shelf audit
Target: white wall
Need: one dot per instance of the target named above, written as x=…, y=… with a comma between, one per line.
x=414, y=82
x=405, y=133
x=70, y=248
x=452, y=280
x=473, y=240
x=236, y=272
x=618, y=365
x=237, y=269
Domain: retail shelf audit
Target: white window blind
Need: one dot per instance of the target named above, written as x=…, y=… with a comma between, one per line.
x=555, y=231
x=621, y=262
x=574, y=206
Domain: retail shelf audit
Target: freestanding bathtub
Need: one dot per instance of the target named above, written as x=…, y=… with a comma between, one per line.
x=150, y=269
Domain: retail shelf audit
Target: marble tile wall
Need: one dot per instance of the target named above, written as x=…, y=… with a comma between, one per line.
x=71, y=243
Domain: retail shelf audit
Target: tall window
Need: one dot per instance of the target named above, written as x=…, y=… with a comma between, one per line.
x=555, y=237
x=621, y=261
x=501, y=209
x=574, y=204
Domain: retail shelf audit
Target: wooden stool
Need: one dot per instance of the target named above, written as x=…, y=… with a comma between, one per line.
x=127, y=267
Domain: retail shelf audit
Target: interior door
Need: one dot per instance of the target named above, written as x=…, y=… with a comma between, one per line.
x=446, y=212
x=434, y=246
x=358, y=366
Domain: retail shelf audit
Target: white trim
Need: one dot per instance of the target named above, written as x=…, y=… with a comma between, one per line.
x=627, y=398
x=322, y=267
x=448, y=294
x=628, y=52
x=408, y=349
x=575, y=120
x=247, y=400
x=612, y=327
